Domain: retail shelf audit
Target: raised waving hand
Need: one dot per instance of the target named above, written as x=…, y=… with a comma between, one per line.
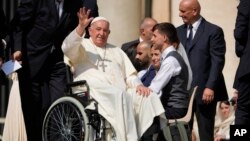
x=83, y=20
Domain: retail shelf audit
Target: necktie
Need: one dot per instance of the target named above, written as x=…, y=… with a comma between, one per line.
x=190, y=37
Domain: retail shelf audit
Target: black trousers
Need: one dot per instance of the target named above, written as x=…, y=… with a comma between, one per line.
x=242, y=113
x=171, y=113
x=175, y=113
x=38, y=93
x=154, y=128
x=205, y=114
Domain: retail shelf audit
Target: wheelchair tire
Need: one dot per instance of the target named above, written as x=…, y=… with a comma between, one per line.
x=66, y=120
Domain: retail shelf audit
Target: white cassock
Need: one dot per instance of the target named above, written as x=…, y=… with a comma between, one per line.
x=112, y=80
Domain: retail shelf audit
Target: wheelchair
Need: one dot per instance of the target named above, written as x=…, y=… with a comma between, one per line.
x=68, y=119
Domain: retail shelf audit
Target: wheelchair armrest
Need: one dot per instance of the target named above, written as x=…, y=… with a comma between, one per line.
x=76, y=83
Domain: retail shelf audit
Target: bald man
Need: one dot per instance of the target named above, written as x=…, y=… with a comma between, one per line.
x=146, y=33
x=143, y=55
x=205, y=47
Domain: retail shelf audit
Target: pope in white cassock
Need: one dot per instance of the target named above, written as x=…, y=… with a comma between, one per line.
x=122, y=99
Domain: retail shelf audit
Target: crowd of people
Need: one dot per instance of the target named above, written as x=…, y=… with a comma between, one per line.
x=139, y=85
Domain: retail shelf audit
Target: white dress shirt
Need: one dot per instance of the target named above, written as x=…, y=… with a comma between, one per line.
x=59, y=7
x=170, y=67
x=195, y=27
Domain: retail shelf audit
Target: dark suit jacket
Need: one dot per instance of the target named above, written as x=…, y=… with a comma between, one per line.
x=3, y=30
x=242, y=37
x=148, y=76
x=130, y=49
x=207, y=58
x=37, y=30
x=91, y=4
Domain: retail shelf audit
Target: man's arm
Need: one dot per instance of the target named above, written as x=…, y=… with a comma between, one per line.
x=22, y=21
x=217, y=50
x=170, y=67
x=241, y=26
x=71, y=47
x=217, y=53
x=3, y=33
x=72, y=43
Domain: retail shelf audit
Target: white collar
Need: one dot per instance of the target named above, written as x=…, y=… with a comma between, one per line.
x=166, y=51
x=196, y=24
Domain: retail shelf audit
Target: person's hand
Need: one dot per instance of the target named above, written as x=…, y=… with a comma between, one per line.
x=235, y=95
x=17, y=56
x=219, y=137
x=142, y=90
x=83, y=20
x=208, y=95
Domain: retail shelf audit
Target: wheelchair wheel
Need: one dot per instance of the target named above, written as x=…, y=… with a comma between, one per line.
x=66, y=120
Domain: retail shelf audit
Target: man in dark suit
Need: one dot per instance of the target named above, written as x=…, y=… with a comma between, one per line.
x=39, y=27
x=242, y=79
x=145, y=35
x=205, y=47
x=3, y=33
